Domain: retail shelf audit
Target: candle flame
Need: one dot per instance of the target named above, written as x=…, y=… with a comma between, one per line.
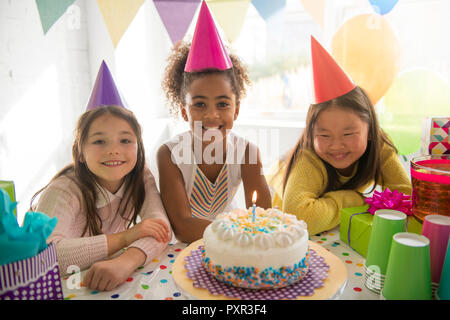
x=255, y=196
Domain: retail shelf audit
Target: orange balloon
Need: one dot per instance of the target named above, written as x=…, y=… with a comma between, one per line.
x=366, y=47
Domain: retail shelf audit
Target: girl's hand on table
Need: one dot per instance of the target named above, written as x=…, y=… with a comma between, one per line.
x=107, y=275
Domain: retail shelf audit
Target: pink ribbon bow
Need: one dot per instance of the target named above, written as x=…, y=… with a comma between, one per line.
x=390, y=200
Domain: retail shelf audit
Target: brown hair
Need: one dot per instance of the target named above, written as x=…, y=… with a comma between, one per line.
x=176, y=81
x=369, y=165
x=134, y=181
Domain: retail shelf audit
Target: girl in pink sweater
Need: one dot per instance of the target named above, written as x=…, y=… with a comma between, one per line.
x=98, y=198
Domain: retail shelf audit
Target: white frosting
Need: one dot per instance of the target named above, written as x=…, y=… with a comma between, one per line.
x=263, y=241
x=283, y=238
x=274, y=240
x=242, y=239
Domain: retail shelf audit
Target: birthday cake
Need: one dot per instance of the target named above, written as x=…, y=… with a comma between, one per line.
x=267, y=251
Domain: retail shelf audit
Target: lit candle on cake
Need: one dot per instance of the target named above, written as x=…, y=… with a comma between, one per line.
x=254, y=197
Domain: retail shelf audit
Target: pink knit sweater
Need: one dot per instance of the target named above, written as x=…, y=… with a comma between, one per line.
x=63, y=199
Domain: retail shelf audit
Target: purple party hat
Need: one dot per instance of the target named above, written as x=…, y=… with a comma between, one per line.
x=105, y=91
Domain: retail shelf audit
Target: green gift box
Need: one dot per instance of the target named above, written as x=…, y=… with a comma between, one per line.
x=359, y=221
x=8, y=186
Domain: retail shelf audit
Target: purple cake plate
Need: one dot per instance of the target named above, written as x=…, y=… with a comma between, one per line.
x=317, y=273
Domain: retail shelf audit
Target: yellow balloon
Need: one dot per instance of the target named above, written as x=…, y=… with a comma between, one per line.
x=366, y=47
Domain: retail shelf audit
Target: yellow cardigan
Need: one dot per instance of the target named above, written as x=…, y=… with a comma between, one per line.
x=308, y=179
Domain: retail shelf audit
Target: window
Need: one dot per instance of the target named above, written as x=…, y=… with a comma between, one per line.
x=277, y=54
x=278, y=50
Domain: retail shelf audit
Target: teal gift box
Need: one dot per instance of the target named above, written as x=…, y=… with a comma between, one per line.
x=355, y=228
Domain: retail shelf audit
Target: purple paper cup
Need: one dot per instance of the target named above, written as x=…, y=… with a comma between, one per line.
x=437, y=229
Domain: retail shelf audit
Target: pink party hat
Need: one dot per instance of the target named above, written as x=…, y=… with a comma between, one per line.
x=105, y=91
x=207, y=50
x=330, y=81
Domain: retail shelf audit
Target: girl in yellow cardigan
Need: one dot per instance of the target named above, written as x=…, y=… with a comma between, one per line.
x=341, y=153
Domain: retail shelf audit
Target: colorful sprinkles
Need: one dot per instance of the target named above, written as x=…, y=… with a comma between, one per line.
x=267, y=222
x=249, y=277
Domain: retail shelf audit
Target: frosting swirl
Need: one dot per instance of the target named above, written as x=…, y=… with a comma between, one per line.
x=270, y=228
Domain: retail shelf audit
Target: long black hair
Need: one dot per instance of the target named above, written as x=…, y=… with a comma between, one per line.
x=369, y=165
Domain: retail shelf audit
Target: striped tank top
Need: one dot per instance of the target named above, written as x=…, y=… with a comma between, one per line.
x=208, y=199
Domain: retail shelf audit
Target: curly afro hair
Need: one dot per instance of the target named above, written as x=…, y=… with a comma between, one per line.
x=176, y=81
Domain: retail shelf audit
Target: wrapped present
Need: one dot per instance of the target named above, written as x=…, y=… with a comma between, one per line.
x=17, y=242
x=28, y=266
x=435, y=135
x=356, y=222
x=35, y=278
x=393, y=200
x=8, y=186
x=396, y=201
x=355, y=228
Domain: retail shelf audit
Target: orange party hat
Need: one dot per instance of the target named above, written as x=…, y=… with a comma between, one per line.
x=207, y=50
x=330, y=81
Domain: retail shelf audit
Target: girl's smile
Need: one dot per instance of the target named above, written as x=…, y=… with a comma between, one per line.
x=210, y=127
x=211, y=106
x=340, y=138
x=110, y=150
x=339, y=156
x=113, y=163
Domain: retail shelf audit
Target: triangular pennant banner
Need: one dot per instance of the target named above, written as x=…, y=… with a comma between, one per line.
x=176, y=16
x=316, y=9
x=50, y=11
x=267, y=9
x=230, y=15
x=118, y=15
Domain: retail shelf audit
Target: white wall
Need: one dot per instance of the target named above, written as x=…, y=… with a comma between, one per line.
x=137, y=65
x=46, y=81
x=45, y=85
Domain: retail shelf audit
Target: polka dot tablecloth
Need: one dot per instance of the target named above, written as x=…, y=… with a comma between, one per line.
x=155, y=282
x=152, y=282
x=355, y=288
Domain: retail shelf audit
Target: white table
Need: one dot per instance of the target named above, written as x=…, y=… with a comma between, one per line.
x=155, y=282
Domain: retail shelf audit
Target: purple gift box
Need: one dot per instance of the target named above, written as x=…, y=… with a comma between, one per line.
x=35, y=278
